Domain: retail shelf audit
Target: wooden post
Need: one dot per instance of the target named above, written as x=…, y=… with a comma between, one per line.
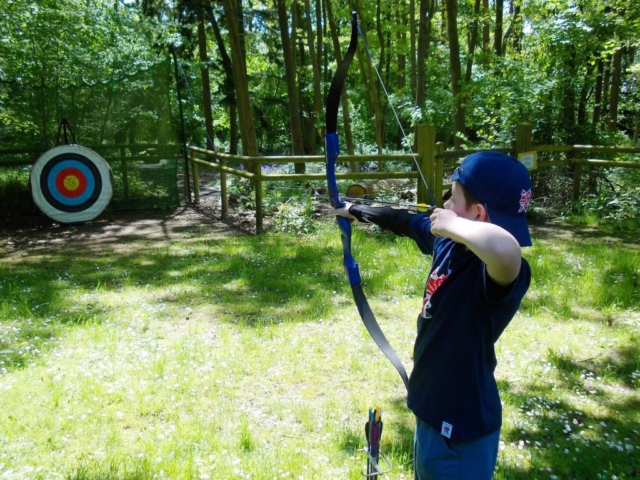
x=523, y=137
x=224, y=200
x=196, y=182
x=437, y=192
x=257, y=170
x=125, y=173
x=426, y=148
x=577, y=176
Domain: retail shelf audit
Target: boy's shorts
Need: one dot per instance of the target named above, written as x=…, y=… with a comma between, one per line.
x=435, y=457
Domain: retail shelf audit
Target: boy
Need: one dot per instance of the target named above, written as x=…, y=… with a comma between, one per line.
x=477, y=280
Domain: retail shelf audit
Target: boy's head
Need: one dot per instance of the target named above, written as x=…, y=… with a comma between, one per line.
x=502, y=184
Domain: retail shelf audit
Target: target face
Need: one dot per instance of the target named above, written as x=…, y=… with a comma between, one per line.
x=71, y=184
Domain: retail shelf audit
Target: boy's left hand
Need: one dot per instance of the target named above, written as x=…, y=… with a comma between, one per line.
x=343, y=211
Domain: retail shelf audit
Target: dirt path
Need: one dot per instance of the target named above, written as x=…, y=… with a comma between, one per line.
x=114, y=230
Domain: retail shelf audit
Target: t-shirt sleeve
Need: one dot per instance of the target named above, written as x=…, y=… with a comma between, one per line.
x=420, y=232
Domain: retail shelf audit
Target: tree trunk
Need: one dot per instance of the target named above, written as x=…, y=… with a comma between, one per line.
x=228, y=84
x=473, y=40
x=317, y=99
x=369, y=80
x=427, y=10
x=486, y=32
x=515, y=27
x=381, y=60
x=497, y=36
x=568, y=95
x=300, y=67
x=456, y=70
x=402, y=62
x=247, y=129
x=598, y=94
x=385, y=71
x=605, y=92
x=320, y=25
x=582, y=103
x=290, y=74
x=204, y=73
x=412, y=48
x=615, y=90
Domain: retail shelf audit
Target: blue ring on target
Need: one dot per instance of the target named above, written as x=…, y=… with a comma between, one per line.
x=64, y=199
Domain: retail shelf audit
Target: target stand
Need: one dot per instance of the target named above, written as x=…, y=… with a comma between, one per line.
x=71, y=184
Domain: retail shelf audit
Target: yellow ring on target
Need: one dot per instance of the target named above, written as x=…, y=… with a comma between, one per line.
x=71, y=182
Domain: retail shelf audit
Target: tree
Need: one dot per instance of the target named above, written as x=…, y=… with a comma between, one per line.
x=290, y=75
x=234, y=16
x=204, y=72
x=228, y=85
x=456, y=70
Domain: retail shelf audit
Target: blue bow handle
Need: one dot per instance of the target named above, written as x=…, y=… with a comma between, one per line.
x=332, y=150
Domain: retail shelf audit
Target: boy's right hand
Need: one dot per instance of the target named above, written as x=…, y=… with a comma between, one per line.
x=441, y=219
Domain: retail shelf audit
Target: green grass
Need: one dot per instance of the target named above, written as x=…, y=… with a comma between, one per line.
x=244, y=357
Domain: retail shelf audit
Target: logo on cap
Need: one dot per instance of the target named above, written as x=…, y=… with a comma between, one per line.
x=446, y=430
x=525, y=200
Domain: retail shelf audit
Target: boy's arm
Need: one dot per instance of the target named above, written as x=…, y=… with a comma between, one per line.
x=496, y=247
x=387, y=218
x=399, y=221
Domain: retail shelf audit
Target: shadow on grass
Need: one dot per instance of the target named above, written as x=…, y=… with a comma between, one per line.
x=251, y=281
x=553, y=229
x=567, y=443
x=617, y=367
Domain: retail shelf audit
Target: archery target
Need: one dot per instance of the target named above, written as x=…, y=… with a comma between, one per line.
x=71, y=184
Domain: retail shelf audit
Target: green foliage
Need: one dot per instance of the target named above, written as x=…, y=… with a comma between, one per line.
x=68, y=59
x=83, y=60
x=295, y=219
x=612, y=197
x=15, y=192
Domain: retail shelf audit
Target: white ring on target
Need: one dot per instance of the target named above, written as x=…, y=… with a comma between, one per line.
x=95, y=207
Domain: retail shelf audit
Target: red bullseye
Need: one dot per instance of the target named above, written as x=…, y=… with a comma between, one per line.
x=71, y=182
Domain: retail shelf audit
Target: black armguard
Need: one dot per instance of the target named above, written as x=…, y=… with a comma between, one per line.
x=387, y=218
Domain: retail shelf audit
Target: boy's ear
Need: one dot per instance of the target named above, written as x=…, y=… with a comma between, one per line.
x=480, y=212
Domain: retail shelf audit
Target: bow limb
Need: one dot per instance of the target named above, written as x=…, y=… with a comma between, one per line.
x=332, y=150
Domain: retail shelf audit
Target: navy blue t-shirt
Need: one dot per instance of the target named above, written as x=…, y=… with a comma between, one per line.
x=452, y=386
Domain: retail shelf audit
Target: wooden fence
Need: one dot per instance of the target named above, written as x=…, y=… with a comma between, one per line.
x=127, y=161
x=435, y=165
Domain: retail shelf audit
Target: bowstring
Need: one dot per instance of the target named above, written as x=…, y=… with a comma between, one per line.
x=393, y=109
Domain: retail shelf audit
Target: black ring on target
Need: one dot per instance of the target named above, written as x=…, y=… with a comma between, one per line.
x=65, y=200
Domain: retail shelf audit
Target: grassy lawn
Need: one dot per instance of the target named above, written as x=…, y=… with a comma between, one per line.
x=243, y=357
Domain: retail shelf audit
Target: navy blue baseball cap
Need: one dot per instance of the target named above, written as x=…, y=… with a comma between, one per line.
x=502, y=184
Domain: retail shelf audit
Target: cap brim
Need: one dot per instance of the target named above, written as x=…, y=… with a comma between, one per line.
x=516, y=226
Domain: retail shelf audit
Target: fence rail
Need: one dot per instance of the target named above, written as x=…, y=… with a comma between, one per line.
x=435, y=163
